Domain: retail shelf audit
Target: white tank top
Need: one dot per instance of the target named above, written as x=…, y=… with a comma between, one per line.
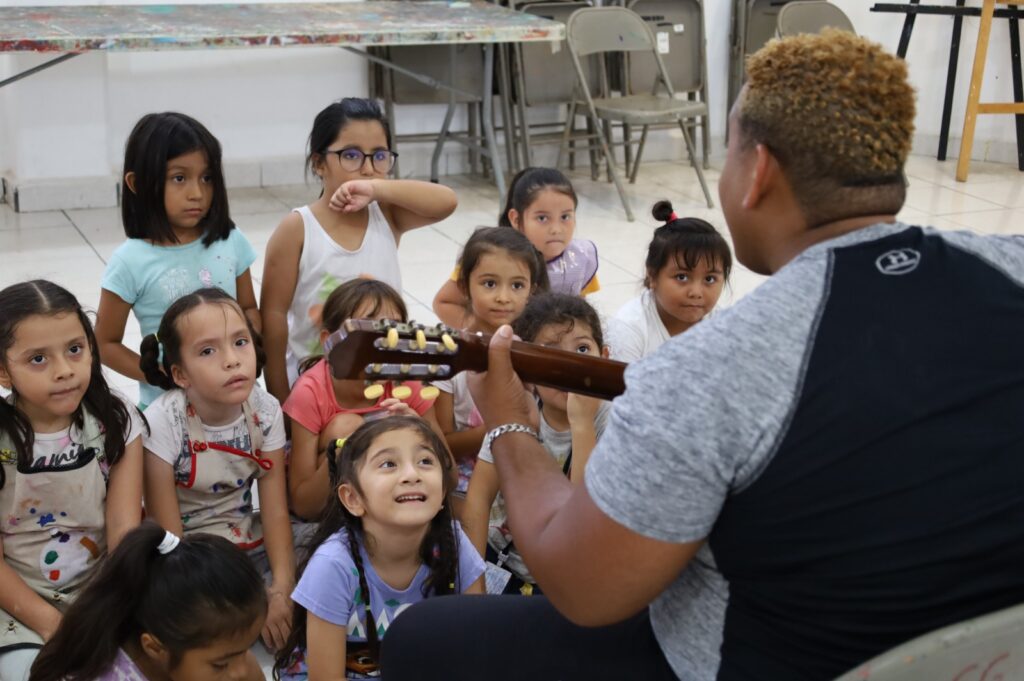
x=323, y=266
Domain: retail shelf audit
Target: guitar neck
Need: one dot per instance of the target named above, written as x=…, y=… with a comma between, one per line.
x=382, y=350
x=552, y=368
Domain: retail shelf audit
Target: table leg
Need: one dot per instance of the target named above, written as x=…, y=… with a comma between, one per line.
x=908, y=29
x=443, y=135
x=1018, y=89
x=947, y=104
x=507, y=115
x=488, y=122
x=36, y=69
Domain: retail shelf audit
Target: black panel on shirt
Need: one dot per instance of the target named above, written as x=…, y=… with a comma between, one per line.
x=895, y=502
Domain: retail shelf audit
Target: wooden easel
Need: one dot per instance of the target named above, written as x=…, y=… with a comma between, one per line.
x=974, y=105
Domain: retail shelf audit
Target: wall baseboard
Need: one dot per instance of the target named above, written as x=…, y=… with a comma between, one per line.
x=664, y=145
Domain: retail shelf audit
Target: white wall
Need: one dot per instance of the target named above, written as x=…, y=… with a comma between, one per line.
x=71, y=121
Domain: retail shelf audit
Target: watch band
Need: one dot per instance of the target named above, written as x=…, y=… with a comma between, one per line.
x=508, y=428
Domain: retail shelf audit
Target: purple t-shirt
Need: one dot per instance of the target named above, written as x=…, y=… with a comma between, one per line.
x=122, y=669
x=329, y=585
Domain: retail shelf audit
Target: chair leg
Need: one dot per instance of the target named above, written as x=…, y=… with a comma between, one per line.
x=570, y=123
x=610, y=160
x=595, y=152
x=974, y=96
x=639, y=155
x=696, y=163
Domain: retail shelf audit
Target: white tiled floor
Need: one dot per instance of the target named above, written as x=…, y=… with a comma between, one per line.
x=71, y=247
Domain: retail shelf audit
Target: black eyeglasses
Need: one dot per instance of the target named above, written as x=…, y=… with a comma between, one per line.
x=352, y=159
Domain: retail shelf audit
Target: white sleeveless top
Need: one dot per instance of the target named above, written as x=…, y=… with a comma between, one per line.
x=323, y=266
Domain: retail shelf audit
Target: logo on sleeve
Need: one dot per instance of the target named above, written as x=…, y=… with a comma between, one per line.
x=900, y=261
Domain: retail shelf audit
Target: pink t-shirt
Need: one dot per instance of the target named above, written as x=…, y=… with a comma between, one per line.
x=312, y=403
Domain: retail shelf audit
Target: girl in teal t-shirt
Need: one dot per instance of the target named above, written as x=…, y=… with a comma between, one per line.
x=174, y=208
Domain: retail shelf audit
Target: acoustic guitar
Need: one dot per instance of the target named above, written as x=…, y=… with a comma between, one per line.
x=389, y=350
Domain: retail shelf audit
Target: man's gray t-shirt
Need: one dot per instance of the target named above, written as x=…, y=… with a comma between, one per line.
x=830, y=436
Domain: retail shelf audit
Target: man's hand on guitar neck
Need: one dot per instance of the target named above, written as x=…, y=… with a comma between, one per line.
x=499, y=395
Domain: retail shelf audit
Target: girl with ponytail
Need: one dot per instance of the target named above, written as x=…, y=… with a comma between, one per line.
x=161, y=608
x=386, y=540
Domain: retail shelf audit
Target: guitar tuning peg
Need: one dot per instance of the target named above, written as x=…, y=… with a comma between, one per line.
x=374, y=391
x=402, y=392
x=421, y=339
x=429, y=393
x=448, y=342
x=431, y=369
x=392, y=338
x=404, y=368
x=377, y=368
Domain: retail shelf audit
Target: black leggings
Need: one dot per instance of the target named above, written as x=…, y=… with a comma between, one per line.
x=519, y=638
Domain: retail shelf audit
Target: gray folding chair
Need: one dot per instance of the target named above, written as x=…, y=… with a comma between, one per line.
x=989, y=647
x=811, y=17
x=600, y=30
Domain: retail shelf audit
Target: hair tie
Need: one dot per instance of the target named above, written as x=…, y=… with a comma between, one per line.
x=168, y=543
x=672, y=217
x=339, y=443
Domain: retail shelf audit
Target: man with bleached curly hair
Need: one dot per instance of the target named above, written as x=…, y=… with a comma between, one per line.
x=829, y=468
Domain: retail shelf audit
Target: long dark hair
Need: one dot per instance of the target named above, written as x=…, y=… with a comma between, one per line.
x=487, y=240
x=525, y=186
x=439, y=550
x=41, y=297
x=156, y=139
x=345, y=301
x=157, y=370
x=329, y=123
x=202, y=590
x=688, y=239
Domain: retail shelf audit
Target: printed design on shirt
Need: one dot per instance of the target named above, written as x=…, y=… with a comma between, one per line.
x=391, y=608
x=898, y=261
x=175, y=283
x=67, y=555
x=315, y=313
x=69, y=456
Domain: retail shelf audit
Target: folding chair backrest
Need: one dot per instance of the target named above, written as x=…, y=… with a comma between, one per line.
x=607, y=29
x=548, y=76
x=989, y=647
x=678, y=27
x=812, y=17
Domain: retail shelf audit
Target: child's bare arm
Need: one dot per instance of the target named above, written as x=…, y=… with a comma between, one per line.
x=161, y=493
x=483, y=488
x=462, y=443
x=451, y=306
x=246, y=297
x=111, y=318
x=124, y=494
x=582, y=411
x=20, y=601
x=280, y=274
x=325, y=649
x=309, y=484
x=412, y=203
x=277, y=530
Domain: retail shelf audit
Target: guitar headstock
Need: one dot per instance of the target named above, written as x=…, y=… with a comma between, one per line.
x=386, y=349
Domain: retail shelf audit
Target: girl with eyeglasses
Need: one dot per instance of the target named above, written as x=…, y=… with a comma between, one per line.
x=352, y=230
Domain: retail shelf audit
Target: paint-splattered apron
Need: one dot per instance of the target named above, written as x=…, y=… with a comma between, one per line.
x=217, y=498
x=53, y=526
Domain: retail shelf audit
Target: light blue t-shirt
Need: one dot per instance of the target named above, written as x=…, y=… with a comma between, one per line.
x=150, y=278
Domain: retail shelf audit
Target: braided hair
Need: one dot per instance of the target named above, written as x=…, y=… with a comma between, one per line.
x=439, y=550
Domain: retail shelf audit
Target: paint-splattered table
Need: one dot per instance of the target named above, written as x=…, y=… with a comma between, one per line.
x=350, y=25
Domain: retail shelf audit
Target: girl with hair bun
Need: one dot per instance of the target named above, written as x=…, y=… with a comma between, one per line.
x=688, y=264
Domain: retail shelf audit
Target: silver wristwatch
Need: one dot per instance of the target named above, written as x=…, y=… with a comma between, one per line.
x=508, y=428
